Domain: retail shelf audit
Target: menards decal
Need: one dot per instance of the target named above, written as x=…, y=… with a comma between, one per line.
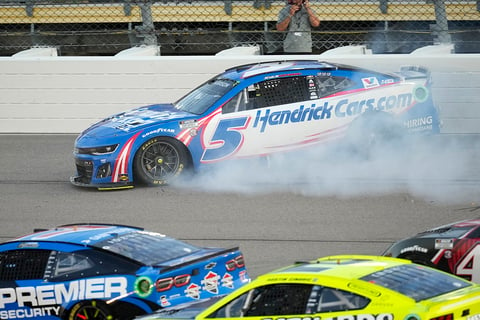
x=366, y=316
x=45, y=300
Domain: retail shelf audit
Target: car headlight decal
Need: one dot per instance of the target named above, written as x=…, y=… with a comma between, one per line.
x=237, y=262
x=167, y=283
x=97, y=150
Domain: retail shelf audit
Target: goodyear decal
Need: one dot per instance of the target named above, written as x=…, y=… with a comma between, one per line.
x=343, y=108
x=45, y=300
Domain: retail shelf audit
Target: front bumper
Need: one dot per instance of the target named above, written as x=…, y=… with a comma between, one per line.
x=97, y=173
x=78, y=181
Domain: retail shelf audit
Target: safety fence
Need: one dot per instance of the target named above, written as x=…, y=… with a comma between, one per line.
x=105, y=27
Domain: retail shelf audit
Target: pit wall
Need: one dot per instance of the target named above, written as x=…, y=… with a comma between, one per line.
x=67, y=94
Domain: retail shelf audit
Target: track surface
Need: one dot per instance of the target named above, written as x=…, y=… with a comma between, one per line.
x=298, y=209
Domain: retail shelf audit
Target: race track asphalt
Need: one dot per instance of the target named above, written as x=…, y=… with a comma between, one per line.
x=299, y=208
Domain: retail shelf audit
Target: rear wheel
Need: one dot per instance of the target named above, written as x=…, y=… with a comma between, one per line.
x=90, y=310
x=375, y=133
x=160, y=160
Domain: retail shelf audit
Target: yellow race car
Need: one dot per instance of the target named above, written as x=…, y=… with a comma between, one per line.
x=347, y=287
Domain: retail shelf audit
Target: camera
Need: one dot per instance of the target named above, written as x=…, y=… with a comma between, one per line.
x=293, y=1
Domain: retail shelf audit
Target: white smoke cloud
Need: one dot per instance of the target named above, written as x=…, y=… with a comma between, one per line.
x=434, y=168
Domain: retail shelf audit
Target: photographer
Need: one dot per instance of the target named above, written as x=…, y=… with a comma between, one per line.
x=298, y=18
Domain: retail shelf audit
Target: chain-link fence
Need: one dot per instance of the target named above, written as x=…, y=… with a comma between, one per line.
x=105, y=27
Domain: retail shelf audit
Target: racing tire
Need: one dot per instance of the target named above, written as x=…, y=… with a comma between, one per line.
x=159, y=161
x=91, y=310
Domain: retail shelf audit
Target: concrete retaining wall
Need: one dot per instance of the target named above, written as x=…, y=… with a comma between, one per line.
x=67, y=94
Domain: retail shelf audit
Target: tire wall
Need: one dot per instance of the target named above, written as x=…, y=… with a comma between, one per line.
x=67, y=94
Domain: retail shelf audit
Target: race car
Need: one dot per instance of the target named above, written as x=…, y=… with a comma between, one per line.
x=99, y=271
x=342, y=288
x=255, y=110
x=453, y=248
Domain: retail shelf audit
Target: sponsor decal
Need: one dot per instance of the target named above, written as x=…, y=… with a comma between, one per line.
x=370, y=82
x=45, y=300
x=187, y=124
x=29, y=313
x=381, y=316
x=443, y=244
x=164, y=301
x=414, y=248
x=227, y=280
x=158, y=131
x=419, y=124
x=210, y=265
x=243, y=276
x=193, y=291
x=210, y=282
x=341, y=109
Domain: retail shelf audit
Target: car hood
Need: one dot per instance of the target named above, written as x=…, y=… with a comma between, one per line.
x=135, y=120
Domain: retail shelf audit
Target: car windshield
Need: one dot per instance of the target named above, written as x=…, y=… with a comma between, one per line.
x=148, y=248
x=417, y=282
x=203, y=97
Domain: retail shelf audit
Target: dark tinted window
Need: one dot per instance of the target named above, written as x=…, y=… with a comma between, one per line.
x=416, y=282
x=282, y=299
x=474, y=233
x=447, y=232
x=23, y=264
x=328, y=85
x=148, y=248
x=86, y=263
x=203, y=97
x=290, y=299
x=281, y=91
x=326, y=299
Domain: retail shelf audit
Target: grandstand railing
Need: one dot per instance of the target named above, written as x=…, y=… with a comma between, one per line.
x=84, y=25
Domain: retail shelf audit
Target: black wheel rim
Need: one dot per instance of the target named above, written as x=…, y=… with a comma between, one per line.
x=91, y=312
x=160, y=160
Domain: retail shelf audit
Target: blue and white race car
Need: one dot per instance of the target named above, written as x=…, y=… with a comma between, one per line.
x=96, y=271
x=254, y=110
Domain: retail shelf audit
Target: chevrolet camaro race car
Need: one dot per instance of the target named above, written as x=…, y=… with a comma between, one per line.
x=454, y=248
x=343, y=288
x=250, y=111
x=93, y=271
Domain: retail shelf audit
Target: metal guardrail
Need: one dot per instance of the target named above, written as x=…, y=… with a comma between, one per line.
x=205, y=27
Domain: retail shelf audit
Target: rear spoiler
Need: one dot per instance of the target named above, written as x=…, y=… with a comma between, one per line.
x=414, y=72
x=213, y=254
x=35, y=230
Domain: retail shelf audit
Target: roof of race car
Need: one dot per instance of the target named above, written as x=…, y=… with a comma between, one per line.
x=466, y=223
x=343, y=266
x=78, y=233
x=377, y=271
x=253, y=69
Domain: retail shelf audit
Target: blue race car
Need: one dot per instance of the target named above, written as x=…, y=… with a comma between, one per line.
x=255, y=110
x=96, y=271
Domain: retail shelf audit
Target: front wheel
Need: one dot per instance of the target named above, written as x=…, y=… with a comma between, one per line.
x=90, y=310
x=159, y=161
